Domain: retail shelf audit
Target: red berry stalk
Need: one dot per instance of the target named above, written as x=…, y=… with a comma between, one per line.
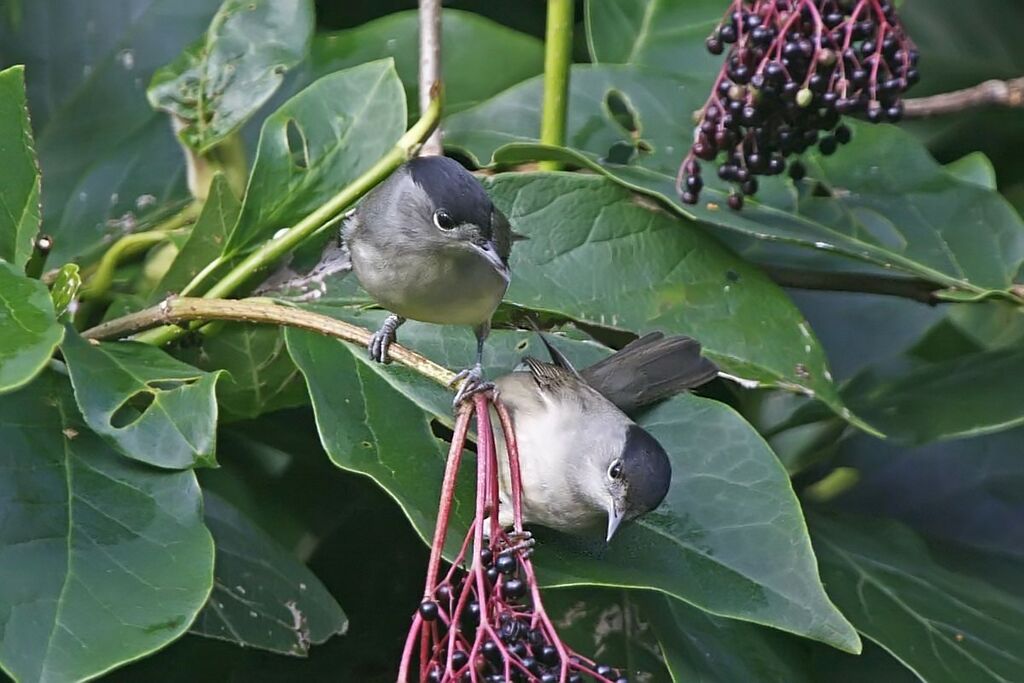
x=483, y=619
x=793, y=69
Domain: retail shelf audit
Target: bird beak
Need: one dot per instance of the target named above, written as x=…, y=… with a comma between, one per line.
x=614, y=519
x=490, y=251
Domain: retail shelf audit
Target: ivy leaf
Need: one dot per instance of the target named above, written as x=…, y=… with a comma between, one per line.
x=214, y=86
x=945, y=626
x=19, y=172
x=105, y=560
x=262, y=596
x=152, y=407
x=29, y=331
x=317, y=143
x=909, y=215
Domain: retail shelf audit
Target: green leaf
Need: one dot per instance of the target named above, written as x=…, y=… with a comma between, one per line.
x=218, y=84
x=698, y=646
x=908, y=215
x=110, y=161
x=916, y=402
x=261, y=376
x=729, y=537
x=946, y=626
x=28, y=327
x=104, y=560
x=152, y=407
x=317, y=143
x=620, y=261
x=974, y=168
x=263, y=596
x=65, y=287
x=19, y=172
x=480, y=58
x=205, y=241
x=665, y=35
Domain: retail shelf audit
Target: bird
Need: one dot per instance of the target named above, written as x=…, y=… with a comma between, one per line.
x=584, y=463
x=428, y=244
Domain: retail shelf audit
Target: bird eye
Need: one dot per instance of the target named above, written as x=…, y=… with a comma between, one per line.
x=443, y=220
x=615, y=471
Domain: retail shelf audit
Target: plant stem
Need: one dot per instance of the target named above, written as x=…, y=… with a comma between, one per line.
x=430, y=66
x=557, y=59
x=994, y=92
x=272, y=250
x=263, y=311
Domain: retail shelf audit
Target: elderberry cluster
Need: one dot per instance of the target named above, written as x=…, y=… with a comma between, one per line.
x=793, y=69
x=518, y=635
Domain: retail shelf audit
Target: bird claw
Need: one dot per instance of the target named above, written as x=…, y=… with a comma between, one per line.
x=472, y=383
x=383, y=338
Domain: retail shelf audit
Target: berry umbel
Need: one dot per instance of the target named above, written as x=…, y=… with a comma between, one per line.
x=793, y=69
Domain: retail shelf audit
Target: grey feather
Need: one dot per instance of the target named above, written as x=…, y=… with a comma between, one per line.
x=649, y=369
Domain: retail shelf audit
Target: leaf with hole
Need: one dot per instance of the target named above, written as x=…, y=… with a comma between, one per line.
x=104, y=560
x=315, y=144
x=262, y=597
x=19, y=172
x=908, y=215
x=214, y=86
x=944, y=625
x=152, y=407
x=29, y=331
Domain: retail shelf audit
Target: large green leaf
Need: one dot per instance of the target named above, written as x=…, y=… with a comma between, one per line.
x=29, y=331
x=600, y=255
x=102, y=560
x=946, y=626
x=917, y=402
x=205, y=240
x=109, y=160
x=217, y=84
x=262, y=595
x=665, y=35
x=19, y=172
x=152, y=407
x=317, y=143
x=729, y=538
x=261, y=376
x=908, y=214
x=480, y=57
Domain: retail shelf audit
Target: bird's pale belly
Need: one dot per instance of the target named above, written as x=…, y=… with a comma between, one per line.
x=460, y=290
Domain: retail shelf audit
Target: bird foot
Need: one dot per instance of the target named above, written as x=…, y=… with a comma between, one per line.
x=472, y=383
x=521, y=542
x=383, y=339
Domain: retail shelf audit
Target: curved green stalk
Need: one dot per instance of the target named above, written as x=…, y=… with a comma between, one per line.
x=557, y=59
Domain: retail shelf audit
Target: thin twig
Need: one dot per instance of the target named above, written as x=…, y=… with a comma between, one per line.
x=430, y=67
x=995, y=92
x=907, y=288
x=265, y=311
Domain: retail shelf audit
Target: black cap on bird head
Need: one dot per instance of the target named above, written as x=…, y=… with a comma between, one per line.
x=646, y=468
x=451, y=186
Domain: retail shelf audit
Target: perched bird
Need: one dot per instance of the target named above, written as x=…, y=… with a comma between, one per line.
x=428, y=244
x=583, y=461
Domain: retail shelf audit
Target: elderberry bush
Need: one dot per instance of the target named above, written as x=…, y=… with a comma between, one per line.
x=794, y=68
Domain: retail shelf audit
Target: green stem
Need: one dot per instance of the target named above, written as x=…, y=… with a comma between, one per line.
x=557, y=59
x=272, y=250
x=103, y=276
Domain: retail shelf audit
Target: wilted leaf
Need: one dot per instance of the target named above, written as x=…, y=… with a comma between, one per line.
x=106, y=155
x=19, y=172
x=152, y=407
x=103, y=560
x=317, y=143
x=944, y=625
x=214, y=86
x=28, y=327
x=262, y=596
x=480, y=57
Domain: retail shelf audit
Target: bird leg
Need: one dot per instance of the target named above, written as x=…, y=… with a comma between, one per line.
x=384, y=338
x=473, y=378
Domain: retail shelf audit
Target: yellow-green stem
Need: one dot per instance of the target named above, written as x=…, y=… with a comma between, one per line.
x=274, y=249
x=557, y=59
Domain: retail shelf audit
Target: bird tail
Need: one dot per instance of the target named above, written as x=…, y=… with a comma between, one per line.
x=649, y=369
